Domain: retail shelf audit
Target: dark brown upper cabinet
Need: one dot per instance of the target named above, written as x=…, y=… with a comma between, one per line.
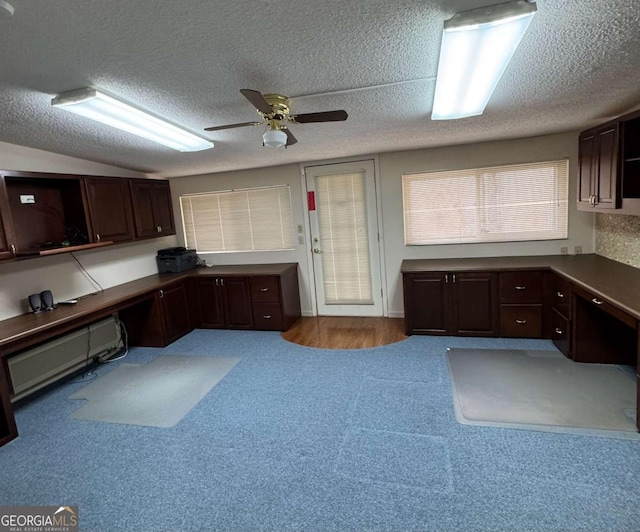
x=110, y=210
x=609, y=167
x=42, y=212
x=152, y=208
x=5, y=247
x=599, y=181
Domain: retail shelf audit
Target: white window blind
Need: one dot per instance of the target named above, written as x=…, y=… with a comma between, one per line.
x=342, y=223
x=495, y=204
x=254, y=219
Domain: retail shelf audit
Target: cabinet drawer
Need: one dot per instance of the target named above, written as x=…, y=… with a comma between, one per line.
x=605, y=306
x=521, y=321
x=561, y=296
x=560, y=332
x=267, y=317
x=265, y=289
x=521, y=287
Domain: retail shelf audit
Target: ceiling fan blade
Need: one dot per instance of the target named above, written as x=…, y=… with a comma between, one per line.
x=231, y=126
x=291, y=140
x=257, y=100
x=326, y=116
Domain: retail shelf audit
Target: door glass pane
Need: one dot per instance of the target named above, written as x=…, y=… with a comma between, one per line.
x=344, y=238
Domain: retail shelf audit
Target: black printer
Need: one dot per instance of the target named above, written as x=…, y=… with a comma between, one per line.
x=176, y=260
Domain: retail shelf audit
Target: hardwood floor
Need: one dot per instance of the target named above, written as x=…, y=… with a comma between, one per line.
x=345, y=332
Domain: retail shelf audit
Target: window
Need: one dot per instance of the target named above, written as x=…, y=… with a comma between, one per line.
x=253, y=219
x=496, y=204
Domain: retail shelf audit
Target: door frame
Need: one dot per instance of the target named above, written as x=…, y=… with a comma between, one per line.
x=307, y=227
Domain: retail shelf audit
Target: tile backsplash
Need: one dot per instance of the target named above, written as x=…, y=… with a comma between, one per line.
x=618, y=238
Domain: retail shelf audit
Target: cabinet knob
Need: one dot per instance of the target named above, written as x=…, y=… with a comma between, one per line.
x=267, y=317
x=560, y=295
x=221, y=282
x=520, y=287
x=217, y=282
x=558, y=331
x=264, y=290
x=161, y=293
x=97, y=237
x=159, y=228
x=597, y=301
x=13, y=249
x=521, y=322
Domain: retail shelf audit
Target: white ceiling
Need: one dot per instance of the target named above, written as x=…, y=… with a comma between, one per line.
x=186, y=60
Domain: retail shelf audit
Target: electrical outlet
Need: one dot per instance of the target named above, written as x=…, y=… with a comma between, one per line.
x=564, y=250
x=577, y=250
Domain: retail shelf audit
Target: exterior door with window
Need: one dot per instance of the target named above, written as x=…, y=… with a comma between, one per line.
x=344, y=239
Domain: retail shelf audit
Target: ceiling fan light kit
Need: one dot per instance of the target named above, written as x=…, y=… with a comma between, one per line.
x=274, y=110
x=477, y=46
x=106, y=109
x=274, y=138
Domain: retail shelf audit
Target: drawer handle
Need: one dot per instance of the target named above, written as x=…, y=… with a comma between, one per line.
x=558, y=331
x=597, y=301
x=521, y=322
x=264, y=290
x=267, y=317
x=520, y=287
x=560, y=295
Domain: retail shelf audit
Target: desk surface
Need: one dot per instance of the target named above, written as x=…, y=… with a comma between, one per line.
x=29, y=326
x=606, y=278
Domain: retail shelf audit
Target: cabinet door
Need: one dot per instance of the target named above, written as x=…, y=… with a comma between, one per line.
x=175, y=312
x=209, y=303
x=475, y=304
x=109, y=202
x=237, y=302
x=152, y=208
x=142, y=198
x=4, y=247
x=426, y=303
x=586, y=179
x=607, y=169
x=162, y=208
x=7, y=239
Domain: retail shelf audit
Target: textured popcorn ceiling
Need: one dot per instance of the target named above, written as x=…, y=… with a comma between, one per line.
x=186, y=60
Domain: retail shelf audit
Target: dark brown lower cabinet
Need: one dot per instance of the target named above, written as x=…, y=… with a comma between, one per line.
x=221, y=303
x=159, y=320
x=8, y=430
x=448, y=303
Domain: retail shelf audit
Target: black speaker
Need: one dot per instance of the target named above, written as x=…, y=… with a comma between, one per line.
x=35, y=302
x=47, y=300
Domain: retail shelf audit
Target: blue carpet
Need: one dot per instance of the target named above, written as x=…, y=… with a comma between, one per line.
x=296, y=438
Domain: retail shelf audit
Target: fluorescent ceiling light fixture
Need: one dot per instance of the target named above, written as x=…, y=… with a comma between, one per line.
x=476, y=48
x=274, y=138
x=108, y=110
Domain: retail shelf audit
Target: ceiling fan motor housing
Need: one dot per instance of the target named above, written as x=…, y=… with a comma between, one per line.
x=280, y=107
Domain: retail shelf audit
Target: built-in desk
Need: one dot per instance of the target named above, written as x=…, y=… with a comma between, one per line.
x=158, y=309
x=604, y=299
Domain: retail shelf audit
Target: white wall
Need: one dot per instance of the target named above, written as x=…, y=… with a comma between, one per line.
x=110, y=266
x=127, y=262
x=262, y=177
x=393, y=165
x=390, y=170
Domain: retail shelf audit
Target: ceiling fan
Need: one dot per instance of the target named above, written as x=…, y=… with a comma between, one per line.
x=274, y=110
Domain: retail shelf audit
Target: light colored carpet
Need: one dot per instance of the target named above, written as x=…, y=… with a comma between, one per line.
x=157, y=394
x=542, y=390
